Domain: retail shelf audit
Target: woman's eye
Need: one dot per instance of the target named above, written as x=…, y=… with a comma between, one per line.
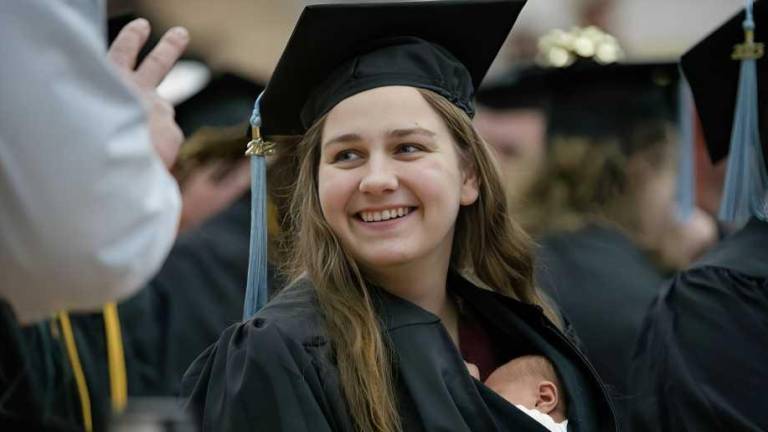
x=346, y=156
x=408, y=148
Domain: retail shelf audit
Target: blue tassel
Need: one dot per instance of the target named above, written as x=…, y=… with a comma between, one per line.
x=686, y=191
x=746, y=178
x=256, y=290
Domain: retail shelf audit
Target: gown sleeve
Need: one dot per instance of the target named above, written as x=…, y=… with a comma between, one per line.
x=700, y=359
x=256, y=378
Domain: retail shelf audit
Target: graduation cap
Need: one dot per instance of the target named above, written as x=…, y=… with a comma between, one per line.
x=523, y=87
x=608, y=101
x=723, y=71
x=561, y=54
x=339, y=50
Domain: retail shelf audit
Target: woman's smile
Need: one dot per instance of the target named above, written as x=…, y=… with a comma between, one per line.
x=385, y=214
x=384, y=220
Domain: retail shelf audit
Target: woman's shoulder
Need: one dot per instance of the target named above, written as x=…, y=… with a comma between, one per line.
x=282, y=351
x=294, y=313
x=290, y=321
x=287, y=331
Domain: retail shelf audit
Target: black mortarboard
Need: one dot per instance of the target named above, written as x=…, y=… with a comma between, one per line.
x=714, y=76
x=338, y=50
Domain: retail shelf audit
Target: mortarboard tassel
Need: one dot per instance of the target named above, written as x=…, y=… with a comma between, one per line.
x=686, y=192
x=746, y=179
x=256, y=288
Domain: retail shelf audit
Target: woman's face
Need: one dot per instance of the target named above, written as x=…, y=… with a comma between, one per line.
x=390, y=179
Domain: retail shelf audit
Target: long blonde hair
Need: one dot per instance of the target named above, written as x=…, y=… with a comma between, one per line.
x=487, y=243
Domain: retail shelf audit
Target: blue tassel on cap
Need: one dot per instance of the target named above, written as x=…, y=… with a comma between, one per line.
x=746, y=178
x=686, y=191
x=256, y=291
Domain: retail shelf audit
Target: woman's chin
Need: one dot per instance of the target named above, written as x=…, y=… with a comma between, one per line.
x=379, y=260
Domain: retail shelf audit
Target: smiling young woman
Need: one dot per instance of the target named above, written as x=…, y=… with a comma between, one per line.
x=396, y=209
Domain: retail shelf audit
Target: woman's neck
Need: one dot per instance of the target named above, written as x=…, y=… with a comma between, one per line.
x=424, y=285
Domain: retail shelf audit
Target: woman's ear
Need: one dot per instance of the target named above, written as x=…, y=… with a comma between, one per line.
x=547, y=399
x=469, y=187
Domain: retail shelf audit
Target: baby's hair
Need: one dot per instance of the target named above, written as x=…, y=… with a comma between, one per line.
x=532, y=366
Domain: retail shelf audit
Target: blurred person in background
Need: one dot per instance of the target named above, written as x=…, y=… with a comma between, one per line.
x=700, y=361
x=54, y=257
x=161, y=330
x=90, y=210
x=512, y=118
x=604, y=196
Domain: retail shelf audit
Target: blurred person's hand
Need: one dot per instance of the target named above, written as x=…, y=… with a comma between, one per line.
x=165, y=134
x=210, y=189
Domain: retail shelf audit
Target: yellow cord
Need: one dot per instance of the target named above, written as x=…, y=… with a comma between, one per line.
x=118, y=382
x=77, y=369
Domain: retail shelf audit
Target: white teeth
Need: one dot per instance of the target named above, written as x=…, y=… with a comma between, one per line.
x=377, y=216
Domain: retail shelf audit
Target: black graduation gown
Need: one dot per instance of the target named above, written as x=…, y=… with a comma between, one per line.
x=275, y=372
x=36, y=383
x=701, y=362
x=21, y=399
x=603, y=285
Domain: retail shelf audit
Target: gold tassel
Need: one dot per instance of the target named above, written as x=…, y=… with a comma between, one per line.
x=118, y=381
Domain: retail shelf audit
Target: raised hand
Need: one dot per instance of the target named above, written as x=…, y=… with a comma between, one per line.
x=165, y=133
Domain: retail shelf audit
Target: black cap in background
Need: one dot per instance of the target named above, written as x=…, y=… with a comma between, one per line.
x=523, y=87
x=714, y=79
x=609, y=101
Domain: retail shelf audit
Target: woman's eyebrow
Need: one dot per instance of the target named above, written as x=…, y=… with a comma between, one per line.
x=400, y=133
x=344, y=138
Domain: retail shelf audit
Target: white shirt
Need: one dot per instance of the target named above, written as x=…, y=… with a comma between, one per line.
x=545, y=420
x=88, y=212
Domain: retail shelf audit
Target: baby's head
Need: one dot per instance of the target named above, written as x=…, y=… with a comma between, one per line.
x=530, y=381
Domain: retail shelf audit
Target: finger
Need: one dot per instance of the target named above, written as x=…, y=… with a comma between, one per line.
x=162, y=58
x=128, y=43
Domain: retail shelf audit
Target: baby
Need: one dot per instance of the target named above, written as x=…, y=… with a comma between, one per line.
x=531, y=384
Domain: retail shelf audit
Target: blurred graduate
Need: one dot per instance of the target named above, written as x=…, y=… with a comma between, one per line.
x=700, y=362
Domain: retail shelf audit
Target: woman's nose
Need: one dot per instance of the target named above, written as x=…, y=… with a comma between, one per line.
x=379, y=178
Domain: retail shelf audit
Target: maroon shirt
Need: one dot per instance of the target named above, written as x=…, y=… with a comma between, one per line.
x=476, y=345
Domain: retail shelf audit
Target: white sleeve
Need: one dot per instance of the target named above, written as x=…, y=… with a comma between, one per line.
x=88, y=212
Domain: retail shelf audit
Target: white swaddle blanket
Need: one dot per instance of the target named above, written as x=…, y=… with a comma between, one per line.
x=545, y=419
